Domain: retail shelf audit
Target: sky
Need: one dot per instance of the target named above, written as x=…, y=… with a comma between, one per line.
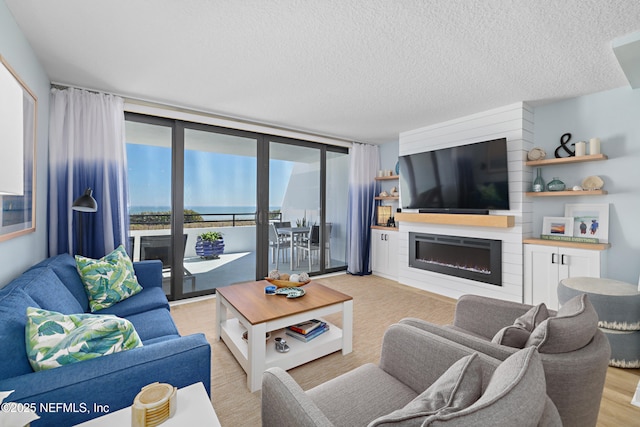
x=211, y=179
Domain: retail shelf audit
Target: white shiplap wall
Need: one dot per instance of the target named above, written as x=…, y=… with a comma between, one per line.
x=514, y=122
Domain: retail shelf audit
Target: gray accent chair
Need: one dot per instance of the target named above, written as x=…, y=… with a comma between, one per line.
x=411, y=361
x=574, y=352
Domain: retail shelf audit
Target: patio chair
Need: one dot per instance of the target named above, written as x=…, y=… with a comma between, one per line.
x=159, y=247
x=277, y=243
x=312, y=244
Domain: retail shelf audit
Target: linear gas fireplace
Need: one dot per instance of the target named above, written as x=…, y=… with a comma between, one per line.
x=466, y=257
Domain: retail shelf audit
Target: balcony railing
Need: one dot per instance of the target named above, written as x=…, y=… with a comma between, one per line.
x=191, y=220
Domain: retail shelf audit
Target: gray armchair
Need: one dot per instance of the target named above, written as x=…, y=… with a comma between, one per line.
x=421, y=378
x=574, y=352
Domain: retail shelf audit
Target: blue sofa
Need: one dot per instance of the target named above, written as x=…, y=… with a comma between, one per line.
x=80, y=391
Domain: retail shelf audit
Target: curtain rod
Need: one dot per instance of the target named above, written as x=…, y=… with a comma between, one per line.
x=178, y=108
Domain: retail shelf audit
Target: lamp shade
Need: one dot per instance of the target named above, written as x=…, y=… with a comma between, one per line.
x=11, y=135
x=86, y=202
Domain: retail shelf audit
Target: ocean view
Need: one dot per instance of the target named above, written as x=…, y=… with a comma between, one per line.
x=215, y=212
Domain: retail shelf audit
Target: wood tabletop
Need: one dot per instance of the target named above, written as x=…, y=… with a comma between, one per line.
x=251, y=301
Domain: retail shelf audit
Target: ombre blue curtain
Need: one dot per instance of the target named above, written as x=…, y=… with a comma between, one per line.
x=363, y=166
x=86, y=150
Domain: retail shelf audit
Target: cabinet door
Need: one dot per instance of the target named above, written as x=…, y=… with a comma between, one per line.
x=392, y=254
x=578, y=263
x=541, y=275
x=379, y=251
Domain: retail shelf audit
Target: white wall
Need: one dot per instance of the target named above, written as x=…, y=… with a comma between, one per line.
x=21, y=252
x=614, y=117
x=514, y=122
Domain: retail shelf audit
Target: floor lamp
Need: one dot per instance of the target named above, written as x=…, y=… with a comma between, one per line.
x=84, y=203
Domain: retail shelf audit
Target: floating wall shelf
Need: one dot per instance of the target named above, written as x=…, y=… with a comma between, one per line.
x=500, y=221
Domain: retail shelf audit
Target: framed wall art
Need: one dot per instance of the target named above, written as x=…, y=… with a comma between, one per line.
x=557, y=226
x=589, y=220
x=18, y=121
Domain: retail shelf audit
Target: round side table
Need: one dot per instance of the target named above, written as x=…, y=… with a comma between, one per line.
x=618, y=307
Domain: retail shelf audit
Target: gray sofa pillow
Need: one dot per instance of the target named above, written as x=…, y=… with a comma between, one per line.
x=457, y=388
x=515, y=396
x=517, y=335
x=571, y=329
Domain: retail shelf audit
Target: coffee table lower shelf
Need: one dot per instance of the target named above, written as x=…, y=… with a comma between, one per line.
x=299, y=352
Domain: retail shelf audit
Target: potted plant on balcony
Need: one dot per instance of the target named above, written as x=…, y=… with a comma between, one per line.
x=210, y=245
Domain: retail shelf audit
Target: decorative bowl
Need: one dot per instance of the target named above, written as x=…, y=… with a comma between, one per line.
x=285, y=283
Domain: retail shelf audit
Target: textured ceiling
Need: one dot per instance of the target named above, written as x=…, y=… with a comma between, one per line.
x=362, y=70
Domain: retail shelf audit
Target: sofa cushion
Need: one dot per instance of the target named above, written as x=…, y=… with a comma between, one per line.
x=457, y=388
x=13, y=309
x=516, y=335
x=153, y=324
x=571, y=329
x=44, y=286
x=372, y=393
x=515, y=396
x=54, y=339
x=512, y=336
x=109, y=279
x=148, y=299
x=64, y=266
x=532, y=318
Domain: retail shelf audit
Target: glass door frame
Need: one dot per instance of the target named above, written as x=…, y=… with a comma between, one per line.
x=262, y=197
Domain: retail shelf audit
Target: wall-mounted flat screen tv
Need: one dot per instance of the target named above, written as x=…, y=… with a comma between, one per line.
x=471, y=178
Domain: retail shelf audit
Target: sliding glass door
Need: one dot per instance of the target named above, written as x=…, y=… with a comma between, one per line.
x=220, y=206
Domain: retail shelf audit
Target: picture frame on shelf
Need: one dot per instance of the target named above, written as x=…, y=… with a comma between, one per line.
x=589, y=220
x=383, y=215
x=557, y=226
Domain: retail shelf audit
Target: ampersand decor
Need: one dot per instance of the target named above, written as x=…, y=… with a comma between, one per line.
x=564, y=141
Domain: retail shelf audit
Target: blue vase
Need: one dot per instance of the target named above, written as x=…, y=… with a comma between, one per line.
x=209, y=249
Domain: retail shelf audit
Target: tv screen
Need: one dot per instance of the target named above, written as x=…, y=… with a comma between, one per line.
x=470, y=177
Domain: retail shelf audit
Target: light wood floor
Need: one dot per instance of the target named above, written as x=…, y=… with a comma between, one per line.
x=378, y=303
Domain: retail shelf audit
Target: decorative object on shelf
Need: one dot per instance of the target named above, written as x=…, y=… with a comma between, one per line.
x=245, y=336
x=156, y=403
x=210, y=245
x=536, y=153
x=383, y=214
x=281, y=345
x=593, y=182
x=555, y=185
x=291, y=292
x=594, y=146
x=577, y=188
x=384, y=194
x=538, y=183
x=589, y=220
x=564, y=141
x=284, y=280
x=557, y=226
x=394, y=192
x=581, y=148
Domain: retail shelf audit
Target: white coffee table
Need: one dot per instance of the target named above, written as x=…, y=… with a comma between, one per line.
x=258, y=313
x=194, y=409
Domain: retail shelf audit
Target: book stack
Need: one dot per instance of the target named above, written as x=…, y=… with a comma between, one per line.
x=306, y=331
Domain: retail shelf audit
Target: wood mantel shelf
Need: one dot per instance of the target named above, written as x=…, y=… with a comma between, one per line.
x=500, y=221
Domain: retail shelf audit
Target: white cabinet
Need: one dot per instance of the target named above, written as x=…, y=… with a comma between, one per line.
x=384, y=253
x=545, y=266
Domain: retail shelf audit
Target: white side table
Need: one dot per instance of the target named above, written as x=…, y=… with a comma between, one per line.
x=194, y=409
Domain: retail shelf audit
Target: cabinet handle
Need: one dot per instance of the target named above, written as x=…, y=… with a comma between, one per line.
x=553, y=258
x=386, y=237
x=562, y=259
